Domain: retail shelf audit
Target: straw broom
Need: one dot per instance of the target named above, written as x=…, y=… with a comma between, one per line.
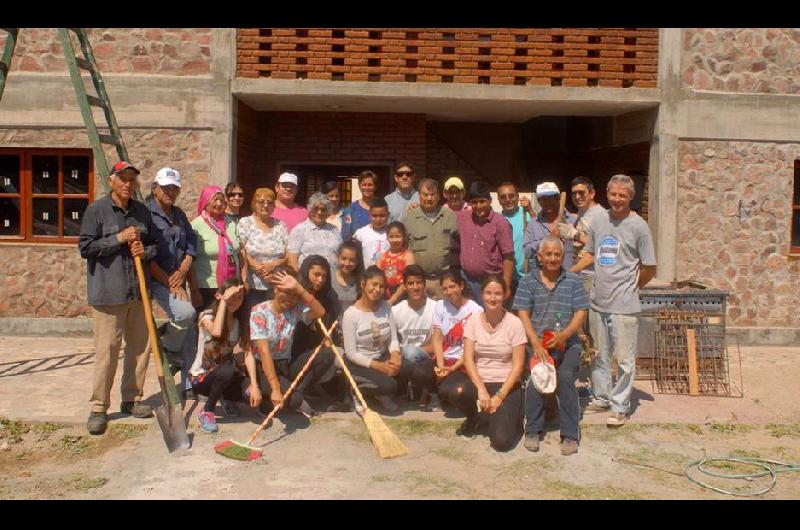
x=385, y=441
x=244, y=451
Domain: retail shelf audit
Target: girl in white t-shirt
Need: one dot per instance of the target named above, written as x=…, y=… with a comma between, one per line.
x=449, y=319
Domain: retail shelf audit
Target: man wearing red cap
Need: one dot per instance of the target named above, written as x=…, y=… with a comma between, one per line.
x=115, y=229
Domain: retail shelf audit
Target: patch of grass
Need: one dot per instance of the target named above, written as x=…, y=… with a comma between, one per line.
x=12, y=430
x=453, y=452
x=743, y=453
x=84, y=482
x=729, y=427
x=648, y=455
x=73, y=445
x=354, y=430
x=126, y=432
x=607, y=434
x=695, y=429
x=568, y=490
x=434, y=485
x=780, y=430
x=382, y=478
x=45, y=430
x=415, y=427
x=524, y=469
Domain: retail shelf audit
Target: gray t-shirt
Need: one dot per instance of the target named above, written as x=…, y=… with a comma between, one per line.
x=584, y=222
x=618, y=247
x=347, y=295
x=369, y=336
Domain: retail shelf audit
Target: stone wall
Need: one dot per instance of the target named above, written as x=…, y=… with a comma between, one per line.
x=50, y=280
x=748, y=60
x=185, y=51
x=734, y=200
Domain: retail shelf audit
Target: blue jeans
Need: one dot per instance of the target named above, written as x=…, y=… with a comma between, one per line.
x=181, y=334
x=414, y=354
x=617, y=333
x=569, y=411
x=474, y=287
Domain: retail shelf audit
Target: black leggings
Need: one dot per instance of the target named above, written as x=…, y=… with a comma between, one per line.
x=371, y=382
x=287, y=371
x=223, y=381
x=505, y=425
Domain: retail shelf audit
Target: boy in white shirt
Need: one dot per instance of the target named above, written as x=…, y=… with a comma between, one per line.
x=414, y=320
x=372, y=237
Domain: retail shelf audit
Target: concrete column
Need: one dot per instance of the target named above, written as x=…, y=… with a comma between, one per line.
x=223, y=68
x=663, y=182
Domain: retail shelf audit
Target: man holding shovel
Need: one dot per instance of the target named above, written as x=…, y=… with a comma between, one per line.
x=115, y=229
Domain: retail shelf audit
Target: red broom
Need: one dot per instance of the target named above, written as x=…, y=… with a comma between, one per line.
x=244, y=451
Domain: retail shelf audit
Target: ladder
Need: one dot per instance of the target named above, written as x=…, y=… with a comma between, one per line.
x=81, y=59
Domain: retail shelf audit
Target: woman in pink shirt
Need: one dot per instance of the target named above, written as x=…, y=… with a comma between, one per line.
x=494, y=356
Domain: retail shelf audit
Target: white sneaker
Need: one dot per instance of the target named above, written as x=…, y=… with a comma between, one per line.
x=596, y=405
x=387, y=403
x=356, y=404
x=434, y=405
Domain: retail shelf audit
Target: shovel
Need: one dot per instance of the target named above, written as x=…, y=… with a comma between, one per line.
x=169, y=413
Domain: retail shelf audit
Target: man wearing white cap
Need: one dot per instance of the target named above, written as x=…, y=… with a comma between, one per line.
x=547, y=195
x=454, y=192
x=177, y=249
x=286, y=210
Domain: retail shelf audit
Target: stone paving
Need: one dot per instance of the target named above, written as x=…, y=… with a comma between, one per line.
x=49, y=379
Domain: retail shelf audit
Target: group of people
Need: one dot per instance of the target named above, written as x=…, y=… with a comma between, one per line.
x=442, y=302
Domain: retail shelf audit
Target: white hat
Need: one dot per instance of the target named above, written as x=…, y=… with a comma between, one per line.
x=288, y=177
x=544, y=377
x=454, y=182
x=547, y=188
x=167, y=176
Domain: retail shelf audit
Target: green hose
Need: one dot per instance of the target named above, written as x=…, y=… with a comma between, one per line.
x=770, y=468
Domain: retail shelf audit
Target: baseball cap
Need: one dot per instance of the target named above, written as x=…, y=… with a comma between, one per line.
x=454, y=182
x=167, y=176
x=546, y=189
x=479, y=190
x=543, y=375
x=123, y=165
x=288, y=177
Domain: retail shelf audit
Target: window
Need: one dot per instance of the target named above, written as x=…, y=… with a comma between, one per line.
x=44, y=193
x=796, y=210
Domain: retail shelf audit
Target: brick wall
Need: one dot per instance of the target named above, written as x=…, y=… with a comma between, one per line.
x=443, y=162
x=250, y=133
x=184, y=51
x=601, y=164
x=749, y=60
x=612, y=57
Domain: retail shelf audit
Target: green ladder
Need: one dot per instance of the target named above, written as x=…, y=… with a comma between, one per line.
x=8, y=51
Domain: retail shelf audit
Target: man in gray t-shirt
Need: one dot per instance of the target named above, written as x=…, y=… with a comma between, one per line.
x=625, y=261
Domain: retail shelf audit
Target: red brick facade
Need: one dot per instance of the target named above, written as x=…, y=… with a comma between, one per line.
x=610, y=57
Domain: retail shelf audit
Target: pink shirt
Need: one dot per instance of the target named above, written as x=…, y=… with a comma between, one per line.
x=483, y=245
x=291, y=217
x=493, y=348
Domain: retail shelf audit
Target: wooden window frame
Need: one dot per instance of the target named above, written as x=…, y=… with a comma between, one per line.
x=794, y=250
x=26, y=194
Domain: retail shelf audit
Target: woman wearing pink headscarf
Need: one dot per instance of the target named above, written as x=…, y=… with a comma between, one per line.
x=219, y=251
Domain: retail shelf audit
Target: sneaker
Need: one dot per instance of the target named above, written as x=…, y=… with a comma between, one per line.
x=596, y=405
x=207, y=422
x=387, y=403
x=532, y=442
x=434, y=405
x=98, y=421
x=469, y=428
x=356, y=404
x=307, y=410
x=569, y=446
x=616, y=419
x=137, y=409
x=230, y=409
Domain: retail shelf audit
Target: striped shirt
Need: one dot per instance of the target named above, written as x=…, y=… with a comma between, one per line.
x=544, y=305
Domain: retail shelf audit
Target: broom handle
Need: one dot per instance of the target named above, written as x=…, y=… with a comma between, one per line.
x=148, y=315
x=291, y=388
x=346, y=370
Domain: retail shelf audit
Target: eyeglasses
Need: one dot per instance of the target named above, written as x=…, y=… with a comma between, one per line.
x=508, y=196
x=579, y=192
x=404, y=173
x=235, y=194
x=320, y=209
x=265, y=203
x=286, y=184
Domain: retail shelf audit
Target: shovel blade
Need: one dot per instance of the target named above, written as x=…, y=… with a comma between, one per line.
x=170, y=420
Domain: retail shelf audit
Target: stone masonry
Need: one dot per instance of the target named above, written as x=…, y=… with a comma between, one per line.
x=184, y=51
x=747, y=60
x=50, y=280
x=734, y=227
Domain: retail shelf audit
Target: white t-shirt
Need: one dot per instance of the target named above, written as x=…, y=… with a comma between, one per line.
x=451, y=323
x=414, y=326
x=373, y=243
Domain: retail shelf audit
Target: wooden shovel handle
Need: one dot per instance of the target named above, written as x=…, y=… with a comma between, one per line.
x=293, y=385
x=346, y=370
x=148, y=315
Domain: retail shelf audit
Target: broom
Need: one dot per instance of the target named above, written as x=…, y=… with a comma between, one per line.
x=386, y=443
x=244, y=451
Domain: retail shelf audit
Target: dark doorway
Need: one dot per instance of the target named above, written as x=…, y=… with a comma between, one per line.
x=312, y=177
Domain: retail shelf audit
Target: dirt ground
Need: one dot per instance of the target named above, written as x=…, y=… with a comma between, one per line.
x=331, y=456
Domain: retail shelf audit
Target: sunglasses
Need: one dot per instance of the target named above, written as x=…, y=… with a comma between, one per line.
x=579, y=192
x=235, y=194
x=286, y=184
x=508, y=196
x=265, y=203
x=404, y=173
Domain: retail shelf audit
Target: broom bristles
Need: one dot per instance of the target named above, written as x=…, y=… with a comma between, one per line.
x=386, y=442
x=238, y=451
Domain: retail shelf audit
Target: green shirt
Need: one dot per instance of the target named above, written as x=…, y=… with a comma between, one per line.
x=205, y=264
x=431, y=241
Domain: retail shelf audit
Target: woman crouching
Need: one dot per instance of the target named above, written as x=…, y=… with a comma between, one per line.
x=494, y=356
x=272, y=330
